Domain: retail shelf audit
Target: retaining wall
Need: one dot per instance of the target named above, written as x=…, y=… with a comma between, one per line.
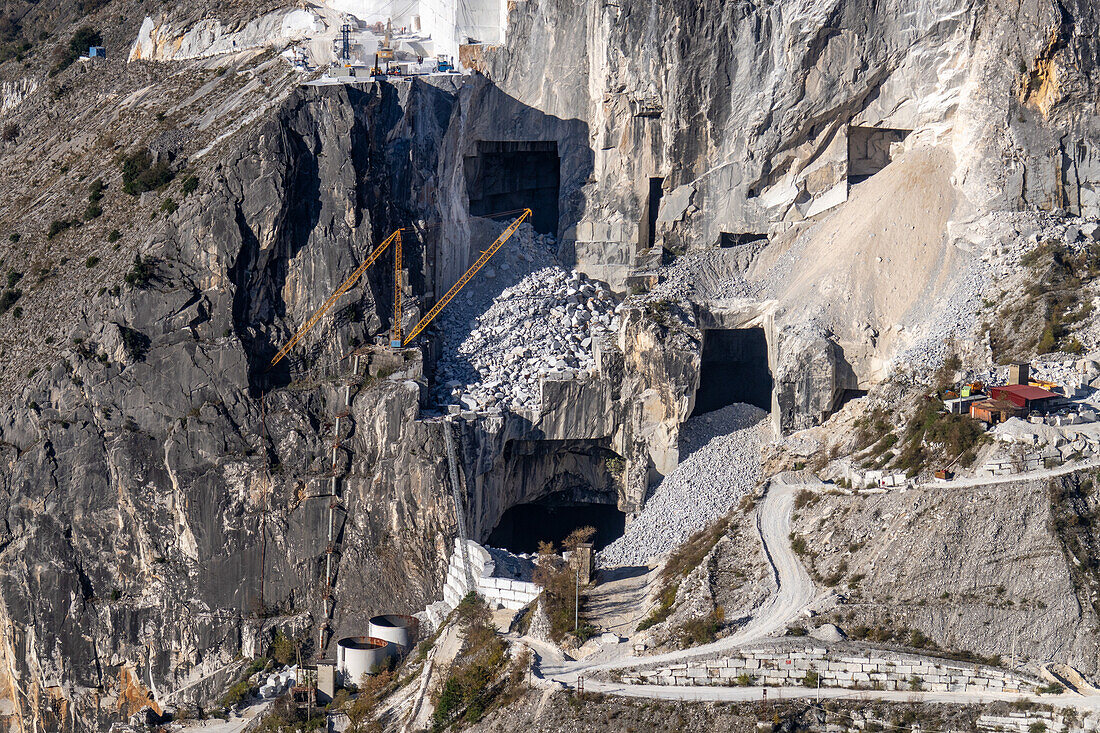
x=884, y=670
x=512, y=594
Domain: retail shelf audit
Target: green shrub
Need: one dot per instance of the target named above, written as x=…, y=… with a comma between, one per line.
x=703, y=630
x=664, y=607
x=282, y=649
x=8, y=299
x=190, y=184
x=91, y=262
x=13, y=237
x=141, y=174
x=59, y=225
x=798, y=544
x=114, y=236
x=169, y=206
x=14, y=277
x=79, y=44
x=812, y=679
x=141, y=273
x=471, y=683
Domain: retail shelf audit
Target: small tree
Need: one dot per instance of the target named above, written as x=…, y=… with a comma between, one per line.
x=283, y=650
x=557, y=579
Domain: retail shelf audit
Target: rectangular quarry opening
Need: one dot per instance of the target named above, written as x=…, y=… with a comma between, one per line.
x=507, y=175
x=647, y=231
x=734, y=369
x=869, y=150
x=727, y=239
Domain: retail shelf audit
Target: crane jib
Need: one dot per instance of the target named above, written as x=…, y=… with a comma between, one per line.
x=334, y=297
x=467, y=276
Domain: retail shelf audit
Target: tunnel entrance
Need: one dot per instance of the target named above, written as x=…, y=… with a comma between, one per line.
x=734, y=369
x=727, y=240
x=507, y=175
x=869, y=150
x=551, y=519
x=647, y=232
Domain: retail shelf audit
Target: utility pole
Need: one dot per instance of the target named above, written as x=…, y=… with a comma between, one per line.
x=576, y=593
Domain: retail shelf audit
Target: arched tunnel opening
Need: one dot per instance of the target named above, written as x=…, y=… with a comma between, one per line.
x=551, y=519
x=734, y=369
x=566, y=485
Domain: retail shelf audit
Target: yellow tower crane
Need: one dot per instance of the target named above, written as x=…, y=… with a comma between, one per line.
x=333, y=298
x=396, y=340
x=485, y=256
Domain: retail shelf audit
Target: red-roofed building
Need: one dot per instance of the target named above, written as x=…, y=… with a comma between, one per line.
x=1025, y=396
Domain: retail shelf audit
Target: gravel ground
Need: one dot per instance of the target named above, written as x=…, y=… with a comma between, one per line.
x=719, y=463
x=530, y=318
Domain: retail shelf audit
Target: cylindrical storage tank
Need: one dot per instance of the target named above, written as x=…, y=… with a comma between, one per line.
x=400, y=630
x=360, y=655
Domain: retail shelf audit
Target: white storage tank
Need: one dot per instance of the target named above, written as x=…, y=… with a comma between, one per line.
x=360, y=655
x=400, y=630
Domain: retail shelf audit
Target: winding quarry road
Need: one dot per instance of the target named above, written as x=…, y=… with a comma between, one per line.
x=795, y=594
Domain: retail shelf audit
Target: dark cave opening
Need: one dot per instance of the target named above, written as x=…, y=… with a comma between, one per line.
x=647, y=232
x=551, y=519
x=869, y=150
x=727, y=240
x=734, y=369
x=515, y=174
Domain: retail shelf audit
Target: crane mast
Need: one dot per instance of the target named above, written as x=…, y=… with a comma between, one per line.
x=334, y=297
x=395, y=341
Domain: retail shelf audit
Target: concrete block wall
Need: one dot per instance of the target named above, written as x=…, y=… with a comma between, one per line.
x=881, y=479
x=1053, y=722
x=512, y=594
x=886, y=670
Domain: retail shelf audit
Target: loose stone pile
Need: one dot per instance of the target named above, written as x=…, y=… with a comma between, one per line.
x=720, y=463
x=705, y=274
x=497, y=344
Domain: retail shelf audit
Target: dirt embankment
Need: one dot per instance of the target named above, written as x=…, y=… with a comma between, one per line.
x=987, y=570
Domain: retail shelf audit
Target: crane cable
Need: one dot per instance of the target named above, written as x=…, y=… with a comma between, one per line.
x=485, y=256
x=333, y=298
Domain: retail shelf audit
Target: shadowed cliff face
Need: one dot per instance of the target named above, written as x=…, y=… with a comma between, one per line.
x=135, y=484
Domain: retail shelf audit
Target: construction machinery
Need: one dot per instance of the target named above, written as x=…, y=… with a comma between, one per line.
x=334, y=297
x=385, y=51
x=468, y=275
x=396, y=340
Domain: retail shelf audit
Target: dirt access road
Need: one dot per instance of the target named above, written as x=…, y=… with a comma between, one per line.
x=795, y=593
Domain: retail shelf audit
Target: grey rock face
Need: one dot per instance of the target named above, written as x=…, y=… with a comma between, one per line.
x=144, y=495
